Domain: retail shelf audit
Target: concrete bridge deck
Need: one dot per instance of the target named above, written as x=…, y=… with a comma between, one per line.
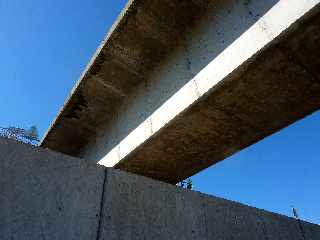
x=177, y=87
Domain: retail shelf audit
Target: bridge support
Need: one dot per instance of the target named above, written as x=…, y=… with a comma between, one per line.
x=48, y=195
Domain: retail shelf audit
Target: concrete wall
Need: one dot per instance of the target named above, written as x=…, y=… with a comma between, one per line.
x=47, y=195
x=136, y=207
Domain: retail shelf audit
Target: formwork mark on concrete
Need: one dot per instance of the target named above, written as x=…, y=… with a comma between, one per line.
x=102, y=203
x=291, y=56
x=231, y=114
x=303, y=234
x=264, y=227
x=109, y=87
x=189, y=66
x=204, y=209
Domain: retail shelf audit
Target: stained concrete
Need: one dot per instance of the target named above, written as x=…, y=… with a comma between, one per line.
x=251, y=89
x=47, y=195
x=177, y=87
x=310, y=231
x=136, y=207
x=144, y=33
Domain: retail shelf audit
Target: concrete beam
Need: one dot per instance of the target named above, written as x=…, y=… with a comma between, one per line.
x=144, y=33
x=240, y=72
x=48, y=195
x=265, y=80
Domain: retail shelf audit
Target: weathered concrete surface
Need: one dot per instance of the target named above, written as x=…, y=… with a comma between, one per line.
x=140, y=208
x=143, y=34
x=270, y=90
x=177, y=87
x=47, y=195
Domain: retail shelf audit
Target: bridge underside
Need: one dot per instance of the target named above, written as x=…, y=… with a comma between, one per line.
x=276, y=87
x=262, y=81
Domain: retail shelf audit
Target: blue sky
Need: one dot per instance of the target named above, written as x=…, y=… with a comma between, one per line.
x=45, y=45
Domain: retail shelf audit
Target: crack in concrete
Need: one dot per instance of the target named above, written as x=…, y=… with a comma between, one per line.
x=303, y=234
x=102, y=203
x=204, y=208
x=43, y=236
x=264, y=227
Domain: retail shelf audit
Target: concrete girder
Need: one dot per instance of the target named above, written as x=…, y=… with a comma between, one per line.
x=127, y=42
x=215, y=93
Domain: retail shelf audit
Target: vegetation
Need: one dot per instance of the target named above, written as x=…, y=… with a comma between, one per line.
x=30, y=136
x=186, y=184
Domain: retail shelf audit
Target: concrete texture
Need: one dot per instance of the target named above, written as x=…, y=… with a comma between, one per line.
x=136, y=207
x=144, y=33
x=229, y=104
x=47, y=195
x=177, y=87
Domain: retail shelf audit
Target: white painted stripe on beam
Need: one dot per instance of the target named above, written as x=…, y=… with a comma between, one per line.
x=268, y=27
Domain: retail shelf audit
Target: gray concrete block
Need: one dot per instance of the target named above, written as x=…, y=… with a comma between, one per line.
x=132, y=208
x=278, y=227
x=310, y=231
x=139, y=208
x=47, y=195
x=136, y=207
x=230, y=220
x=189, y=220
